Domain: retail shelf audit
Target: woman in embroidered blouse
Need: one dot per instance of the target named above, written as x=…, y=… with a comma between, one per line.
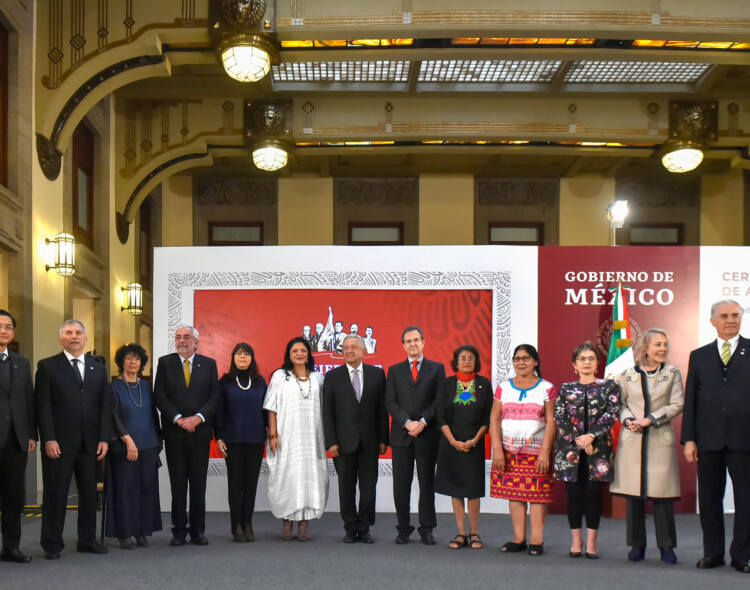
x=240, y=430
x=584, y=413
x=646, y=459
x=523, y=433
x=463, y=414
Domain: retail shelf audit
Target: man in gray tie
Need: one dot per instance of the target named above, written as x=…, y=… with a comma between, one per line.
x=356, y=432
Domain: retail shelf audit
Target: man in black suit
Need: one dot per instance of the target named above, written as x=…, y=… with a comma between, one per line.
x=17, y=437
x=356, y=432
x=410, y=398
x=337, y=339
x=186, y=390
x=74, y=414
x=716, y=434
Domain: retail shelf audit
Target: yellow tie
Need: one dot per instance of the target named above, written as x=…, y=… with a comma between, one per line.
x=187, y=372
x=726, y=353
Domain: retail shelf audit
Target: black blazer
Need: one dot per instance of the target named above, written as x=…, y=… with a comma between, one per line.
x=347, y=422
x=446, y=407
x=173, y=397
x=68, y=411
x=20, y=401
x=717, y=404
x=406, y=400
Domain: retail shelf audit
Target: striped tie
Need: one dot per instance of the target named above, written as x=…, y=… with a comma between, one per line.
x=356, y=384
x=726, y=353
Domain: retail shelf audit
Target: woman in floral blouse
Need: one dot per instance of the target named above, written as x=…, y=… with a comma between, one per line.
x=584, y=413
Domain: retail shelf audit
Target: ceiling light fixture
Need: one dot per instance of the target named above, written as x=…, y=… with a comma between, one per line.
x=270, y=155
x=691, y=126
x=247, y=58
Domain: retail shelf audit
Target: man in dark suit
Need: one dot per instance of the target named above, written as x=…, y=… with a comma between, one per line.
x=337, y=339
x=17, y=437
x=186, y=390
x=410, y=398
x=73, y=411
x=716, y=434
x=356, y=432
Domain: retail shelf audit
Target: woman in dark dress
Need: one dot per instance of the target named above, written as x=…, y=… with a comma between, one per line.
x=241, y=437
x=463, y=414
x=133, y=508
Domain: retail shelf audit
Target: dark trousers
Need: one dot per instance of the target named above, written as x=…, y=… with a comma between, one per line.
x=350, y=467
x=12, y=490
x=243, y=468
x=133, y=508
x=56, y=476
x=666, y=534
x=403, y=474
x=712, y=479
x=187, y=460
x=584, y=499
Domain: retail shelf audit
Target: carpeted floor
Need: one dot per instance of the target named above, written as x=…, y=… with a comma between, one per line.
x=326, y=563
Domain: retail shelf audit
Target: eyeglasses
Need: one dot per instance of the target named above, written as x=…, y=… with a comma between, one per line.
x=6, y=327
x=521, y=359
x=586, y=359
x=466, y=359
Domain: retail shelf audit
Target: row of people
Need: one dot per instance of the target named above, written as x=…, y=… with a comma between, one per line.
x=435, y=421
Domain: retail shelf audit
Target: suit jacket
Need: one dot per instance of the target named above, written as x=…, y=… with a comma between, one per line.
x=406, y=400
x=173, y=397
x=20, y=401
x=346, y=422
x=717, y=404
x=69, y=411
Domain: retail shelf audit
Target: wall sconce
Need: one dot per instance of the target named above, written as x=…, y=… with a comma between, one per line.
x=691, y=126
x=133, y=299
x=63, y=254
x=270, y=155
x=617, y=211
x=266, y=133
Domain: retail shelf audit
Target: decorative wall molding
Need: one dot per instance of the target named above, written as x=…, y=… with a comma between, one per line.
x=236, y=191
x=659, y=193
x=524, y=192
x=381, y=192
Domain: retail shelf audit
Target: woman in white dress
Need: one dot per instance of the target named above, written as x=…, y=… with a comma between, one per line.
x=297, y=464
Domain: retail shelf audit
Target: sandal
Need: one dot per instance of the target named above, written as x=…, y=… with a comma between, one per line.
x=475, y=541
x=536, y=549
x=459, y=542
x=513, y=547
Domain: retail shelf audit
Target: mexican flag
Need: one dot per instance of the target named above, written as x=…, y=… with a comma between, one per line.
x=620, y=356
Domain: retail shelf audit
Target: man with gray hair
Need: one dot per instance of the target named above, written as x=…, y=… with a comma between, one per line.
x=716, y=434
x=74, y=415
x=186, y=390
x=355, y=424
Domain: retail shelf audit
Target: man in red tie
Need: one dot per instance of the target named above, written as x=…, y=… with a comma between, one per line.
x=411, y=393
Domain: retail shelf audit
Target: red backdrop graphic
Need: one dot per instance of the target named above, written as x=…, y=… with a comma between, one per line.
x=574, y=305
x=268, y=318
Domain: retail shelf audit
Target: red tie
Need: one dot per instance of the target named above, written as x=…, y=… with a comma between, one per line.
x=414, y=371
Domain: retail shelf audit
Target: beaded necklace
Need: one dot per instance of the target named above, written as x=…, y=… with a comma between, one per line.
x=465, y=393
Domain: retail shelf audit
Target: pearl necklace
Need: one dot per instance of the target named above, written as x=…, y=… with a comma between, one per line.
x=309, y=386
x=132, y=389
x=237, y=379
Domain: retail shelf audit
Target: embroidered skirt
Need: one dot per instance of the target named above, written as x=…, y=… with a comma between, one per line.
x=520, y=481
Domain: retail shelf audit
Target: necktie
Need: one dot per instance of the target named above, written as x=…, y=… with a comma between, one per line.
x=356, y=384
x=76, y=369
x=726, y=353
x=187, y=372
x=414, y=371
x=4, y=358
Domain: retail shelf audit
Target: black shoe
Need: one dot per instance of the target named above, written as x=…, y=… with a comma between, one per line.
x=239, y=535
x=14, y=555
x=94, y=548
x=575, y=554
x=249, y=534
x=366, y=538
x=141, y=541
x=513, y=547
x=51, y=555
x=741, y=566
x=350, y=538
x=637, y=554
x=177, y=541
x=427, y=538
x=402, y=539
x=592, y=555
x=668, y=555
x=198, y=539
x=709, y=563
x=127, y=543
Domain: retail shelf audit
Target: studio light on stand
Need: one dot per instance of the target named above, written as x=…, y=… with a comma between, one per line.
x=617, y=211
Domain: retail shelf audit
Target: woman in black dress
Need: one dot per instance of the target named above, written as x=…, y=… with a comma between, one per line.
x=241, y=437
x=133, y=508
x=463, y=414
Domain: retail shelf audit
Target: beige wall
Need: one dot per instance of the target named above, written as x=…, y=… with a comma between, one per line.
x=446, y=209
x=722, y=209
x=305, y=211
x=177, y=211
x=583, y=203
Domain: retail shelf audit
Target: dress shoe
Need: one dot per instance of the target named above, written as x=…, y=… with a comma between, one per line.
x=239, y=535
x=14, y=555
x=286, y=530
x=637, y=554
x=709, y=563
x=402, y=539
x=303, y=533
x=177, y=541
x=249, y=534
x=94, y=548
x=427, y=538
x=52, y=555
x=591, y=555
x=366, y=538
x=741, y=566
x=126, y=543
x=141, y=541
x=668, y=555
x=575, y=554
x=350, y=538
x=198, y=539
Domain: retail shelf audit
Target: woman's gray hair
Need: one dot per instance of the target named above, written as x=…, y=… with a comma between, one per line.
x=646, y=339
